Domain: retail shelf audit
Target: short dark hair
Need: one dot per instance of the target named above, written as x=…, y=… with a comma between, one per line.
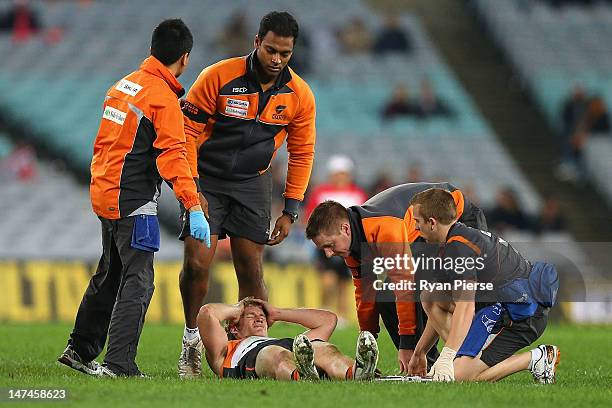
x=326, y=218
x=436, y=203
x=170, y=40
x=280, y=23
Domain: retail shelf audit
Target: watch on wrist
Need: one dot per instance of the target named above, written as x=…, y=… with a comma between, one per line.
x=293, y=216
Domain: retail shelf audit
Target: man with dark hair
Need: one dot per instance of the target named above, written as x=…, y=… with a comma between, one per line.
x=237, y=114
x=171, y=40
x=141, y=141
x=383, y=227
x=243, y=349
x=488, y=301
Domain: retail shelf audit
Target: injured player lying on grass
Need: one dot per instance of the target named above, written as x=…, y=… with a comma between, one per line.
x=242, y=349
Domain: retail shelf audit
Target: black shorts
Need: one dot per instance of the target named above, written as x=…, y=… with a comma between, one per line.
x=236, y=208
x=334, y=263
x=511, y=336
x=246, y=366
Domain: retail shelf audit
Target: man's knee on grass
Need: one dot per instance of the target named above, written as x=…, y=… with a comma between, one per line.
x=468, y=368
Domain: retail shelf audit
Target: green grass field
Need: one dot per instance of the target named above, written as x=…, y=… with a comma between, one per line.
x=28, y=353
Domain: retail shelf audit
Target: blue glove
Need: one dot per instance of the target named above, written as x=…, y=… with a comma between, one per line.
x=198, y=227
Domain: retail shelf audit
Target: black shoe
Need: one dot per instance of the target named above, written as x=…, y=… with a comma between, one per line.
x=70, y=358
x=106, y=371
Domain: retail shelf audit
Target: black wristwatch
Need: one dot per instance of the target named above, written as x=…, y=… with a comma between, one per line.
x=293, y=216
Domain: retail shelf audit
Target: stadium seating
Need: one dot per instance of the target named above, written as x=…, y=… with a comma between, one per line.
x=5, y=146
x=50, y=218
x=554, y=49
x=598, y=152
x=56, y=91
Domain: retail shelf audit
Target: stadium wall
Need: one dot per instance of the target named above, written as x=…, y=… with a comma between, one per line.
x=44, y=291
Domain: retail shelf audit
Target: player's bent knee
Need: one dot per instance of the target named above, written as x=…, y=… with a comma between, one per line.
x=324, y=349
x=467, y=368
x=274, y=362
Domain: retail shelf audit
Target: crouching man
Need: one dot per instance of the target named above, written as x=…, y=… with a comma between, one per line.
x=486, y=303
x=242, y=349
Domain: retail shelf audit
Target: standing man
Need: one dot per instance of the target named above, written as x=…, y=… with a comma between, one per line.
x=383, y=227
x=493, y=302
x=140, y=142
x=237, y=114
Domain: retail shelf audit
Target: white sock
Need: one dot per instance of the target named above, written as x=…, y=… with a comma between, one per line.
x=536, y=354
x=190, y=334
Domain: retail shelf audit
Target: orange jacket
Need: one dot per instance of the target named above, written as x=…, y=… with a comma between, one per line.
x=384, y=226
x=140, y=141
x=234, y=129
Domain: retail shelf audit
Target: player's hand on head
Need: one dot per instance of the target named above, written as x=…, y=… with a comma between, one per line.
x=403, y=358
x=239, y=309
x=281, y=230
x=418, y=364
x=270, y=311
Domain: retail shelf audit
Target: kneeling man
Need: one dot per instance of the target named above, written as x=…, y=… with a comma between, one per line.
x=242, y=349
x=483, y=299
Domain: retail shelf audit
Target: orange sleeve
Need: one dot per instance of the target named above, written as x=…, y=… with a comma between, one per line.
x=300, y=145
x=459, y=202
x=406, y=308
x=199, y=105
x=364, y=298
x=390, y=237
x=172, y=161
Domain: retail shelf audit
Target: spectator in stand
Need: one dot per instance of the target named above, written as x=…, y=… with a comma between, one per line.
x=301, y=60
x=429, y=104
x=551, y=218
x=392, y=39
x=573, y=110
x=563, y=3
x=469, y=192
x=595, y=120
x=414, y=174
x=235, y=38
x=400, y=104
x=382, y=182
x=507, y=213
x=20, y=164
x=572, y=113
x=334, y=273
x=355, y=38
x=21, y=21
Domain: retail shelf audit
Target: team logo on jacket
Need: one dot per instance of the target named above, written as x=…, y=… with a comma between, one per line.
x=128, y=87
x=114, y=115
x=279, y=109
x=237, y=107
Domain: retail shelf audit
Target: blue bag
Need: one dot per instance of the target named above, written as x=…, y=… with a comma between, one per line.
x=482, y=326
x=145, y=235
x=544, y=283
